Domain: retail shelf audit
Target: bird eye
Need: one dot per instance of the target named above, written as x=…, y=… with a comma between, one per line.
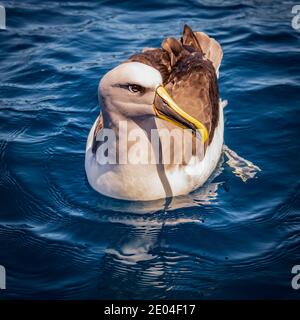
x=134, y=88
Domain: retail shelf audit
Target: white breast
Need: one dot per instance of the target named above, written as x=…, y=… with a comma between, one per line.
x=142, y=182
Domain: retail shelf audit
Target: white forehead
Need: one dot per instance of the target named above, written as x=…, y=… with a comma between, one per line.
x=133, y=73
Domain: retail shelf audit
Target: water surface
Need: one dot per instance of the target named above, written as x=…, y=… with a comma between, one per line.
x=230, y=239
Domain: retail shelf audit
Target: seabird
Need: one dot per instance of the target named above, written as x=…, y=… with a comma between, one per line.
x=172, y=87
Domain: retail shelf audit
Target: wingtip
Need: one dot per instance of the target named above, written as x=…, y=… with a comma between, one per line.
x=186, y=28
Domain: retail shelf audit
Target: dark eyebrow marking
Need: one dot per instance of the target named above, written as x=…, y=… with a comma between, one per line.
x=125, y=86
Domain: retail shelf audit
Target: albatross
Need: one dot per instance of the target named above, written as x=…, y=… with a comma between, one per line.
x=172, y=88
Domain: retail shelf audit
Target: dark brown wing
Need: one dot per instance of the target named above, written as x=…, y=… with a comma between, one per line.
x=192, y=82
x=193, y=85
x=98, y=128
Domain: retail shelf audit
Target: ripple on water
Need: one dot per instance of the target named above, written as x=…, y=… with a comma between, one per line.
x=228, y=239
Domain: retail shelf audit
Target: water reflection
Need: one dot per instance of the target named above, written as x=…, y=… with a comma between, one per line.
x=206, y=195
x=141, y=254
x=229, y=239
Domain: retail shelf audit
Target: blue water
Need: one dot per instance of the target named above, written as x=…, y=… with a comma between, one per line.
x=60, y=239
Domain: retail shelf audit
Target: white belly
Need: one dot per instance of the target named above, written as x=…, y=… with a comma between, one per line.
x=144, y=182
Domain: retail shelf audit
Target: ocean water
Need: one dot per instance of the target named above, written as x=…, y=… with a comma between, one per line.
x=231, y=239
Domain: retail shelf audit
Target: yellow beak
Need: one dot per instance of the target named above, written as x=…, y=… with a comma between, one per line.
x=176, y=115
